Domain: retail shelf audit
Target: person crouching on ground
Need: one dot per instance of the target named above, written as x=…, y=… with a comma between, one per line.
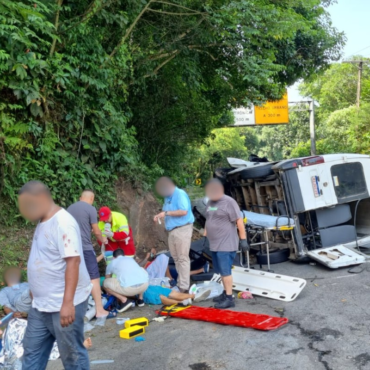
x=222, y=218
x=130, y=280
x=114, y=226
x=16, y=297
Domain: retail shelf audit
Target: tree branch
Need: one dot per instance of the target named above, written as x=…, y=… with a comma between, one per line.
x=90, y=12
x=178, y=6
x=172, y=13
x=128, y=31
x=56, y=25
x=176, y=52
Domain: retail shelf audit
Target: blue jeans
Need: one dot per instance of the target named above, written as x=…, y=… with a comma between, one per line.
x=222, y=262
x=43, y=329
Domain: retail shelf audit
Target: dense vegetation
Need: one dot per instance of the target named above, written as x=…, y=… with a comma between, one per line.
x=92, y=90
x=340, y=126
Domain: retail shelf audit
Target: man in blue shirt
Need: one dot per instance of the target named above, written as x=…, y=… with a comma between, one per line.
x=179, y=224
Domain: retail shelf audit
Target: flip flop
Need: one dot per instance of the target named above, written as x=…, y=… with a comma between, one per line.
x=112, y=314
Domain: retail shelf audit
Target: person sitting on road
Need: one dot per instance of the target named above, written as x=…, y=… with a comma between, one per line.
x=114, y=226
x=156, y=294
x=16, y=297
x=131, y=280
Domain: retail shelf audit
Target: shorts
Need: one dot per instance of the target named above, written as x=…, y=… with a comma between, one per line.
x=91, y=264
x=153, y=293
x=223, y=262
x=129, y=291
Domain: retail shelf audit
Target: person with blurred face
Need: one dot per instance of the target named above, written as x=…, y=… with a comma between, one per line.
x=179, y=221
x=15, y=297
x=86, y=216
x=223, y=219
x=59, y=283
x=114, y=226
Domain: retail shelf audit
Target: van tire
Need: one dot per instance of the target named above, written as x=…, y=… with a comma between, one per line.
x=257, y=171
x=276, y=256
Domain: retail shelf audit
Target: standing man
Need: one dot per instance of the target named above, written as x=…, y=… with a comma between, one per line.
x=59, y=283
x=223, y=218
x=87, y=218
x=179, y=224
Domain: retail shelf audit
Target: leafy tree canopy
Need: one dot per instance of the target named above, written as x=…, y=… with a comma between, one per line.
x=94, y=89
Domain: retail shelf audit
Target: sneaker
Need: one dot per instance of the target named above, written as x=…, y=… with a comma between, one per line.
x=140, y=303
x=122, y=307
x=220, y=298
x=202, y=296
x=226, y=303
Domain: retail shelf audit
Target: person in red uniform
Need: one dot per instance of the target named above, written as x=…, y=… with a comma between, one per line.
x=115, y=227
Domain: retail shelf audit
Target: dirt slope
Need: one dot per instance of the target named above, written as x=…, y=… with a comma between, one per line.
x=140, y=208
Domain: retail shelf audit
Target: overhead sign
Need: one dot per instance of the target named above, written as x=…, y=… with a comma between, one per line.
x=244, y=117
x=272, y=113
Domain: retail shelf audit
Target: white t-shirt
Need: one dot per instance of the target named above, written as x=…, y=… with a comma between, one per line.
x=128, y=272
x=53, y=241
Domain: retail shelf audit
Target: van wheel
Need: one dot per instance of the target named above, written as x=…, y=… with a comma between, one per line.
x=276, y=256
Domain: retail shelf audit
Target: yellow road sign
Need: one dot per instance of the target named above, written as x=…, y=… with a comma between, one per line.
x=273, y=112
x=198, y=182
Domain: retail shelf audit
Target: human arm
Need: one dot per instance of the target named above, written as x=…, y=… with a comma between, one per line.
x=67, y=311
x=109, y=270
x=241, y=228
x=98, y=234
x=100, y=258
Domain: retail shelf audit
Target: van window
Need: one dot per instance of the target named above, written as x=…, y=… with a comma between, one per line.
x=349, y=181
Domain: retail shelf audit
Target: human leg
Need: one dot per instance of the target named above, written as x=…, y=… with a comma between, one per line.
x=168, y=301
x=227, y=282
x=122, y=298
x=70, y=340
x=96, y=294
x=196, y=272
x=181, y=240
x=93, y=270
x=178, y=296
x=158, y=268
x=38, y=340
x=224, y=261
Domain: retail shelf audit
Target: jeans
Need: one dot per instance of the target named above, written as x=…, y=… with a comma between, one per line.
x=43, y=329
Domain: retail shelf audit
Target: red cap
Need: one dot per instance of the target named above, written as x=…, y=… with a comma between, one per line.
x=104, y=213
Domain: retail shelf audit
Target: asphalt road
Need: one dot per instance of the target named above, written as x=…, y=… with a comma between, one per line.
x=329, y=329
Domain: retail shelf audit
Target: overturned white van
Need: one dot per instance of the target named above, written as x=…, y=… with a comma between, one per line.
x=326, y=196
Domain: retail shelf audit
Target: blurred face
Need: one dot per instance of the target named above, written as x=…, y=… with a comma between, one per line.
x=214, y=191
x=34, y=207
x=164, y=187
x=13, y=276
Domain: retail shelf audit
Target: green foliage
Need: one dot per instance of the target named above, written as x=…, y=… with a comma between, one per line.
x=221, y=144
x=91, y=91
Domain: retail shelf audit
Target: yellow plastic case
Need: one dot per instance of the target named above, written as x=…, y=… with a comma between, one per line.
x=131, y=332
x=141, y=321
